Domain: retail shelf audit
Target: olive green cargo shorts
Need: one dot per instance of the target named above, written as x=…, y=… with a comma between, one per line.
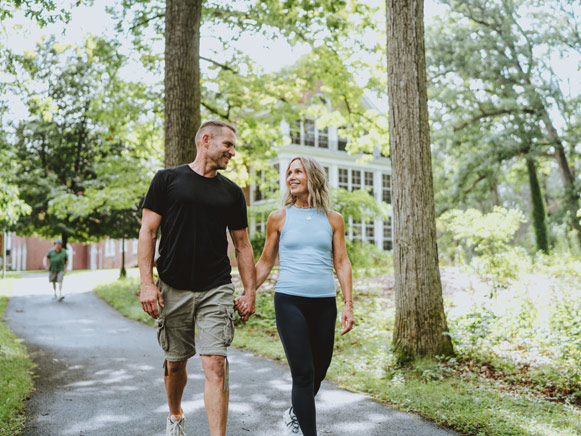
x=205, y=319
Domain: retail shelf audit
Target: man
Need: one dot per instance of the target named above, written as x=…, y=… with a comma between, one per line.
x=194, y=204
x=56, y=260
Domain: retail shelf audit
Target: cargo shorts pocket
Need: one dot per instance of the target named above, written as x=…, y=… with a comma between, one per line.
x=162, y=336
x=228, y=325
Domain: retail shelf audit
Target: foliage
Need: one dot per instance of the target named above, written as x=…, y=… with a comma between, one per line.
x=123, y=295
x=489, y=236
x=41, y=11
x=494, y=91
x=11, y=205
x=15, y=378
x=367, y=260
x=358, y=204
x=82, y=150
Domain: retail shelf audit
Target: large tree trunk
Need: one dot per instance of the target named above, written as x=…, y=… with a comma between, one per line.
x=571, y=194
x=420, y=321
x=538, y=207
x=182, y=80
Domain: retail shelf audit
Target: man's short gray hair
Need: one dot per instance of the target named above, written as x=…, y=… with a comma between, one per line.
x=208, y=126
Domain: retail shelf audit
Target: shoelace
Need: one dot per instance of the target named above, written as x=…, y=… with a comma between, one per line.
x=294, y=422
x=176, y=427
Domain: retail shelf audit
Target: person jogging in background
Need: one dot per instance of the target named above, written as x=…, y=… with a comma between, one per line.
x=56, y=260
x=194, y=204
x=310, y=240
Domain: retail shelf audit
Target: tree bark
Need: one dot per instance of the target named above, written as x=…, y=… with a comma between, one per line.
x=571, y=193
x=538, y=207
x=182, y=80
x=420, y=321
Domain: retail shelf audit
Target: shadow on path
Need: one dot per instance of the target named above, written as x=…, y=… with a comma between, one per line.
x=100, y=374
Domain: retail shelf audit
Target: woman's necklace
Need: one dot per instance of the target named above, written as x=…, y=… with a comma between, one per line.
x=307, y=217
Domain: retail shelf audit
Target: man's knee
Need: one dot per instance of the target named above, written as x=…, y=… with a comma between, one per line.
x=176, y=367
x=214, y=367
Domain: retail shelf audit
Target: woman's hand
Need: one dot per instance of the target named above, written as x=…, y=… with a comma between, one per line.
x=347, y=318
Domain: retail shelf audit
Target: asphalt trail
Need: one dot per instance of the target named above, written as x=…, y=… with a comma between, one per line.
x=99, y=374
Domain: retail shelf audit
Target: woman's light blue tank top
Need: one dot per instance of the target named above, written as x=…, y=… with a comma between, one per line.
x=306, y=254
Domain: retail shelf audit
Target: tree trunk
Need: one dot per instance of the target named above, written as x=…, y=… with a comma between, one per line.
x=65, y=238
x=571, y=194
x=420, y=321
x=538, y=208
x=182, y=80
x=123, y=272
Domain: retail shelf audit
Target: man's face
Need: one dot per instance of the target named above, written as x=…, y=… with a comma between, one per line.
x=58, y=246
x=221, y=147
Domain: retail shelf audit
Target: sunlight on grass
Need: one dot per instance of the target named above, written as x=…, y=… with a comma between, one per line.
x=15, y=378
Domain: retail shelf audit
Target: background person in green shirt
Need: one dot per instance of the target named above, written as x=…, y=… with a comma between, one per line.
x=56, y=261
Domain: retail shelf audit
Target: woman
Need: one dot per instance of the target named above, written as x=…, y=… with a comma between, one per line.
x=310, y=239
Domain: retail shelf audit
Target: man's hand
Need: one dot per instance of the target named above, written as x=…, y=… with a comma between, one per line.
x=150, y=297
x=245, y=305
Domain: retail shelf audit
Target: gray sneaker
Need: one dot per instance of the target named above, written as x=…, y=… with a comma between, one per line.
x=291, y=422
x=175, y=426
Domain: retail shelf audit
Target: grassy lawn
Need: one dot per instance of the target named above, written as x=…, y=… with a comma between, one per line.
x=15, y=378
x=516, y=372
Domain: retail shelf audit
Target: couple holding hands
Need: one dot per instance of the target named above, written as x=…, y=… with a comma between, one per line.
x=194, y=205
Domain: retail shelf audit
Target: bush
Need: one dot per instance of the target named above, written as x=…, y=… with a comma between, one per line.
x=488, y=235
x=368, y=260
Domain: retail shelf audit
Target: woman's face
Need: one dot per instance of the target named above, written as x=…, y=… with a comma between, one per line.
x=296, y=179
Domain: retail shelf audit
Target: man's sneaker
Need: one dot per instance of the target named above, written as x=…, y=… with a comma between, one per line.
x=175, y=426
x=61, y=298
x=292, y=423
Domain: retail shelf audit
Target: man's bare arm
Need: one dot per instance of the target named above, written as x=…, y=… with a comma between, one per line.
x=245, y=258
x=150, y=295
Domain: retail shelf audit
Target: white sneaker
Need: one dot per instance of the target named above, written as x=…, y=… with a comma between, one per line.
x=175, y=426
x=291, y=422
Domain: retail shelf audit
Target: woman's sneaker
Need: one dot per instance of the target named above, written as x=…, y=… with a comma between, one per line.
x=292, y=423
x=175, y=426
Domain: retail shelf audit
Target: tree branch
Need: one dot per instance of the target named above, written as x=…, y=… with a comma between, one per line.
x=490, y=114
x=224, y=67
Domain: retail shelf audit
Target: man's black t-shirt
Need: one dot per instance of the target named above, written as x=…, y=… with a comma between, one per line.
x=195, y=213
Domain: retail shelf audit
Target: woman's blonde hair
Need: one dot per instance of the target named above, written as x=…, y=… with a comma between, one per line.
x=316, y=184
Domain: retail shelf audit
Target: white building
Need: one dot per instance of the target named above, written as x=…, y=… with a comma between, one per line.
x=343, y=171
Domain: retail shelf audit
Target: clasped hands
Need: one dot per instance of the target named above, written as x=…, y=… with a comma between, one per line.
x=245, y=305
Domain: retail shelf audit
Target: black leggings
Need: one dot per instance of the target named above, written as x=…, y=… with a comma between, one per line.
x=306, y=327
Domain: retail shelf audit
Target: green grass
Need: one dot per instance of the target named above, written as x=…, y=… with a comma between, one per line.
x=123, y=295
x=15, y=378
x=460, y=393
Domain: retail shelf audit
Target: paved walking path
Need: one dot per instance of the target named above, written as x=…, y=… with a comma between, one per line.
x=100, y=374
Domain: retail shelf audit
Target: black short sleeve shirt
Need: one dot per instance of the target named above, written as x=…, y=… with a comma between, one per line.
x=195, y=211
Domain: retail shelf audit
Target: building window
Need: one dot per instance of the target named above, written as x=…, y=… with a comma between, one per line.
x=295, y=132
x=386, y=188
x=309, y=133
x=342, y=144
x=369, y=183
x=110, y=247
x=370, y=231
x=258, y=195
x=355, y=180
x=357, y=230
x=387, y=238
x=343, y=178
x=260, y=226
x=323, y=137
